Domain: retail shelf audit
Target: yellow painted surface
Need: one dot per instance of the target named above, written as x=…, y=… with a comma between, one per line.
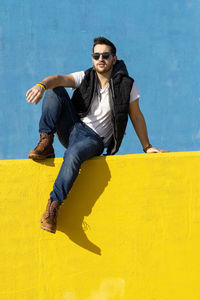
x=131, y=233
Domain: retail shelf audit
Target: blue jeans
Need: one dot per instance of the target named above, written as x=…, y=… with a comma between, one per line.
x=82, y=143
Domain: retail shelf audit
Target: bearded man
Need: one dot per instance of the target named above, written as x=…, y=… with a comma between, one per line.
x=94, y=119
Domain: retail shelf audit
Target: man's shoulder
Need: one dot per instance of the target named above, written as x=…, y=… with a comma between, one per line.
x=78, y=77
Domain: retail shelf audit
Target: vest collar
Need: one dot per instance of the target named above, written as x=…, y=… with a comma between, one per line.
x=119, y=68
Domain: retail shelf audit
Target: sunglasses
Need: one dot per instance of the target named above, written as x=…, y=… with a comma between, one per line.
x=105, y=55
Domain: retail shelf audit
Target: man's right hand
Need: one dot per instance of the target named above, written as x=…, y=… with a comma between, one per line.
x=35, y=94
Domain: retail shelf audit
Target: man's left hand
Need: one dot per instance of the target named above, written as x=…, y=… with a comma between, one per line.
x=155, y=150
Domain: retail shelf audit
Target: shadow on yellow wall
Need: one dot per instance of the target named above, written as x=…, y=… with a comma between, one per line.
x=80, y=202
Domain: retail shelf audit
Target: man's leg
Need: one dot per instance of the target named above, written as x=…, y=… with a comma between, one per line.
x=58, y=115
x=84, y=143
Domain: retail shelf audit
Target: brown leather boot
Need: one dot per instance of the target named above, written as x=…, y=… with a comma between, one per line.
x=44, y=148
x=49, y=217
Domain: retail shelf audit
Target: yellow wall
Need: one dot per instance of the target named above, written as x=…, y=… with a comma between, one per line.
x=132, y=233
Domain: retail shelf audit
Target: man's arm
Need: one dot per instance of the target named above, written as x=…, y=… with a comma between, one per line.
x=139, y=125
x=36, y=93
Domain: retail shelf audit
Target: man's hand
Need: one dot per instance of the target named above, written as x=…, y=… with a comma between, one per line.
x=155, y=150
x=35, y=94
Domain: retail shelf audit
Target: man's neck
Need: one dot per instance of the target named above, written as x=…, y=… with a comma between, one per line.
x=104, y=79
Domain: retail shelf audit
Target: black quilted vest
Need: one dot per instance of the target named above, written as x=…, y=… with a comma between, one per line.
x=120, y=88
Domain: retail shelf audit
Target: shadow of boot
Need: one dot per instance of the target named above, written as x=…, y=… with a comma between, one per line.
x=47, y=162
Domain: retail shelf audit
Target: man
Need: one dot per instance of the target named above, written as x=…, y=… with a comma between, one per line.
x=94, y=119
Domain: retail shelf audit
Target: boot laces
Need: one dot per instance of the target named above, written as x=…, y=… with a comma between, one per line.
x=41, y=141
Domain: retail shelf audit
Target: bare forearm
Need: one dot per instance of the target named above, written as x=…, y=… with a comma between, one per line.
x=52, y=81
x=59, y=80
x=35, y=94
x=140, y=127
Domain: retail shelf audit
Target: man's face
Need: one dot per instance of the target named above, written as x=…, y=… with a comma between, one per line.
x=103, y=65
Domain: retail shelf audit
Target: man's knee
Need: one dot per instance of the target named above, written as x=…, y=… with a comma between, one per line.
x=60, y=92
x=72, y=157
x=56, y=95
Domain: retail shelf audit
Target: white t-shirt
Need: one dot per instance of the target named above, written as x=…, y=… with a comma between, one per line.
x=99, y=116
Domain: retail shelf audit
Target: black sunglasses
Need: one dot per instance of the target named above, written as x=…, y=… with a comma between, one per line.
x=105, y=55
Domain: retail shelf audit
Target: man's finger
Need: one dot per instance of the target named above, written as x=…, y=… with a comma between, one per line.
x=28, y=92
x=164, y=151
x=156, y=150
x=31, y=96
x=37, y=98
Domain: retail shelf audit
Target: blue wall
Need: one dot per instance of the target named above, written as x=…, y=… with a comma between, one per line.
x=159, y=41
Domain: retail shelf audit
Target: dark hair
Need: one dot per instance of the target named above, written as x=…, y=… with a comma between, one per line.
x=103, y=41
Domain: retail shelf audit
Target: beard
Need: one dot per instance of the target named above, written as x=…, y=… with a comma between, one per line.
x=103, y=70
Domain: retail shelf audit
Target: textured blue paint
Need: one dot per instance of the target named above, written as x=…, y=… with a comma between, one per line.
x=159, y=41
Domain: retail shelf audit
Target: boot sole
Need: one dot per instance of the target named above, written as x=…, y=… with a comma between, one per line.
x=40, y=157
x=47, y=229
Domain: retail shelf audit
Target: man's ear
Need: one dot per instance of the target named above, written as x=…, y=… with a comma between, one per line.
x=114, y=60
